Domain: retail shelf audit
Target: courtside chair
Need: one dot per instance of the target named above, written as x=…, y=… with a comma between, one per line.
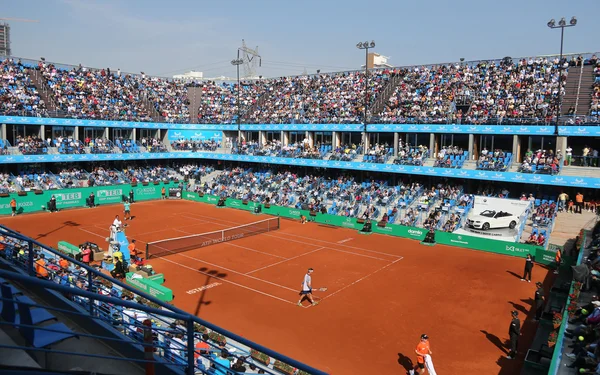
x=9, y=313
x=41, y=337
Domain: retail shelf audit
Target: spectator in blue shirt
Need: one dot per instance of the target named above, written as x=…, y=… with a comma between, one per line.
x=221, y=363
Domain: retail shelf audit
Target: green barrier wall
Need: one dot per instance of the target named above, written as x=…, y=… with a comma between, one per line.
x=484, y=244
x=69, y=198
x=66, y=247
x=150, y=286
x=541, y=255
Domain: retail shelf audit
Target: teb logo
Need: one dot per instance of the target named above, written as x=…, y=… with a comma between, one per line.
x=110, y=193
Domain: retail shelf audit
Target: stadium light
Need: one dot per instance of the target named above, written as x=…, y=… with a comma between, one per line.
x=237, y=62
x=366, y=46
x=561, y=25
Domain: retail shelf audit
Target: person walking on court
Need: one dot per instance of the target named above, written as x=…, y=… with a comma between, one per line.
x=528, y=268
x=423, y=349
x=126, y=210
x=13, y=207
x=514, y=331
x=539, y=300
x=307, y=289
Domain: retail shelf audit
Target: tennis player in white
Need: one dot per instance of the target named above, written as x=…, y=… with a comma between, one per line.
x=307, y=289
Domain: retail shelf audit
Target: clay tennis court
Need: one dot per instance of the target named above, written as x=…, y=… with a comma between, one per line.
x=383, y=292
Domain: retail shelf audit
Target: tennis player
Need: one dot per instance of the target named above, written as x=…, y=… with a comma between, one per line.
x=126, y=210
x=307, y=289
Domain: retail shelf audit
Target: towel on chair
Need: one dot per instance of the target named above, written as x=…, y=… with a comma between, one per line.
x=429, y=365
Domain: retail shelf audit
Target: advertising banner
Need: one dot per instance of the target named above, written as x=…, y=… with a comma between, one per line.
x=485, y=244
x=149, y=286
x=401, y=231
x=195, y=135
x=70, y=198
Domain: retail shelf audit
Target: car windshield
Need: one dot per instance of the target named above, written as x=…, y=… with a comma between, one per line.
x=488, y=213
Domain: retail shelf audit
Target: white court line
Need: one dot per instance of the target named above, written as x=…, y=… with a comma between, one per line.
x=303, y=237
x=283, y=261
x=230, y=282
x=256, y=251
x=95, y=234
x=357, y=254
x=361, y=279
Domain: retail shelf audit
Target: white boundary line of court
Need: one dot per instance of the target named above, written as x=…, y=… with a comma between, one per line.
x=231, y=282
x=361, y=279
x=283, y=261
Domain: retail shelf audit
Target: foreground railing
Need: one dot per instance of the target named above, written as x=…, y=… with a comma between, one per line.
x=559, y=347
x=174, y=330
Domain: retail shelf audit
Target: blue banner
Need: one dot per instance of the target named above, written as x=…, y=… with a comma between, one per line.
x=581, y=131
x=305, y=127
x=463, y=129
x=202, y=135
x=109, y=124
x=540, y=179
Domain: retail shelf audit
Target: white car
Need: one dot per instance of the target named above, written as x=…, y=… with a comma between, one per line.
x=490, y=219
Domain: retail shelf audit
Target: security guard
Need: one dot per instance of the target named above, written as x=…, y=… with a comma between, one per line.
x=539, y=300
x=528, y=268
x=514, y=331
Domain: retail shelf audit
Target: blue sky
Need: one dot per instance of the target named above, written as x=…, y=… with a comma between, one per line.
x=170, y=37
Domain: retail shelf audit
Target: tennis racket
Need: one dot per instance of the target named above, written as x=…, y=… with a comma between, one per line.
x=320, y=289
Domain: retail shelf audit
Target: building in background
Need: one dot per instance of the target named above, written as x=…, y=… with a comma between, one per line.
x=5, y=39
x=377, y=61
x=189, y=76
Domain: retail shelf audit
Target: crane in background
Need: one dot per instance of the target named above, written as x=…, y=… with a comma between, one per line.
x=5, y=34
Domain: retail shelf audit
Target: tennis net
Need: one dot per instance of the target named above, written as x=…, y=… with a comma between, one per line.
x=195, y=241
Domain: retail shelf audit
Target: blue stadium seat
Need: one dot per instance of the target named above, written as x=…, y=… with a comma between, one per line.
x=41, y=338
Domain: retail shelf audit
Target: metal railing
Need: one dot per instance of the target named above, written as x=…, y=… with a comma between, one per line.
x=86, y=287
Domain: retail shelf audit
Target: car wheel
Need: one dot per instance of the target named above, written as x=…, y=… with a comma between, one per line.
x=512, y=224
x=485, y=226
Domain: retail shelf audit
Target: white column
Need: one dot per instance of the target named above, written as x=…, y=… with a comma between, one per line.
x=471, y=141
x=431, y=143
x=396, y=141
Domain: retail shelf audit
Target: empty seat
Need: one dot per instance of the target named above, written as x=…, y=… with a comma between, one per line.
x=41, y=337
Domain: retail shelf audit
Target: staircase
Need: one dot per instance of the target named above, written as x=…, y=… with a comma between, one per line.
x=262, y=97
x=194, y=95
x=586, y=88
x=384, y=95
x=578, y=90
x=43, y=89
x=147, y=104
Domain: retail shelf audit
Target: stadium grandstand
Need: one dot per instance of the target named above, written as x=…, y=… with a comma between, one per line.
x=497, y=156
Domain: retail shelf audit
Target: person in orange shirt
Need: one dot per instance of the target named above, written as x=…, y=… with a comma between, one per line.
x=557, y=260
x=63, y=263
x=422, y=350
x=578, y=203
x=40, y=267
x=13, y=206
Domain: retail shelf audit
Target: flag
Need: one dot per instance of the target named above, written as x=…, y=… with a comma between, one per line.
x=429, y=365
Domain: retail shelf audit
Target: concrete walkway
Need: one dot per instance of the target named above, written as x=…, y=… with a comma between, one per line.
x=567, y=227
